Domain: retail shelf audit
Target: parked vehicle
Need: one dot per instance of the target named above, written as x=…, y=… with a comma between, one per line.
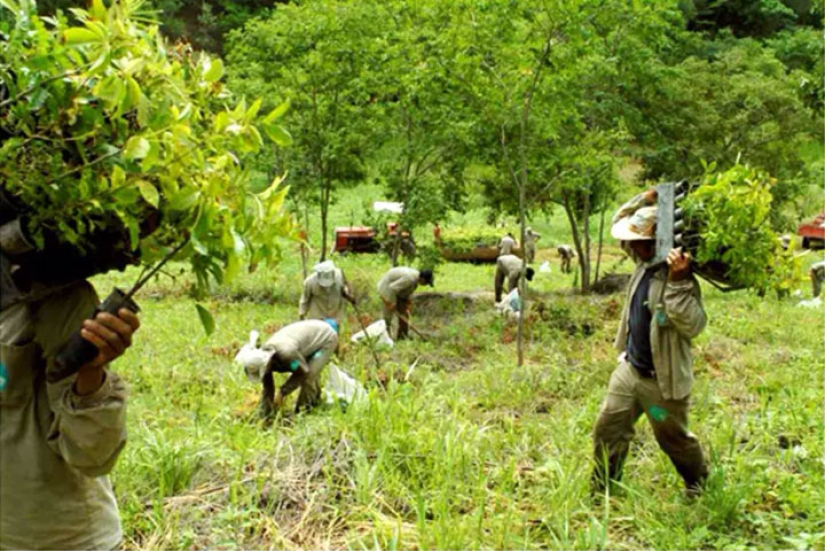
x=813, y=232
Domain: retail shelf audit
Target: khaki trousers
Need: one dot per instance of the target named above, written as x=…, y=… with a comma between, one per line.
x=628, y=396
x=402, y=306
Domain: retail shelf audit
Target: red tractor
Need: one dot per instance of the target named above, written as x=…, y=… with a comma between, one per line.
x=364, y=239
x=355, y=239
x=813, y=232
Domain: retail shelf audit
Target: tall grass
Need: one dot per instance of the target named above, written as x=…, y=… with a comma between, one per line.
x=470, y=451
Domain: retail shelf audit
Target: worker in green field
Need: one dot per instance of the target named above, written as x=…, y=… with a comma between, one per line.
x=396, y=288
x=301, y=349
x=507, y=244
x=509, y=266
x=663, y=312
x=530, y=239
x=566, y=254
x=324, y=294
x=817, y=274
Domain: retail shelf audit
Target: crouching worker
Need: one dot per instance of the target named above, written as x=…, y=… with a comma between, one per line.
x=396, y=289
x=301, y=349
x=661, y=315
x=509, y=266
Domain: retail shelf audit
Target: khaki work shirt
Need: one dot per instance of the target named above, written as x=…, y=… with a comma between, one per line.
x=57, y=447
x=506, y=245
x=300, y=341
x=398, y=283
x=318, y=302
x=510, y=264
x=683, y=318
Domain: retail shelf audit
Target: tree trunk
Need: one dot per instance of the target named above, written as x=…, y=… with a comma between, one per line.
x=585, y=258
x=601, y=240
x=304, y=250
x=574, y=225
x=324, y=212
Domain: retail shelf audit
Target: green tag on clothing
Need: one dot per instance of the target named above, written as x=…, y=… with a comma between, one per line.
x=658, y=413
x=661, y=317
x=4, y=379
x=294, y=364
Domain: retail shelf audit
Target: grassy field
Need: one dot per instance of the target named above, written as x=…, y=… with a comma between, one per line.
x=457, y=447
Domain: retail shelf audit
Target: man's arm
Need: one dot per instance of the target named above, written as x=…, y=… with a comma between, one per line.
x=88, y=427
x=682, y=299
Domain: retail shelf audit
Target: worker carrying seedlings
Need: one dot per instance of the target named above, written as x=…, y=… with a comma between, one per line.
x=662, y=313
x=530, y=239
x=566, y=253
x=509, y=266
x=817, y=273
x=396, y=288
x=301, y=349
x=507, y=244
x=324, y=293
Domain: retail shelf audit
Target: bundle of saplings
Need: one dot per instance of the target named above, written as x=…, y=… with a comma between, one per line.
x=728, y=232
x=117, y=147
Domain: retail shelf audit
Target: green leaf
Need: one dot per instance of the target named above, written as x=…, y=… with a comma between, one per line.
x=184, y=200
x=149, y=192
x=206, y=318
x=277, y=113
x=212, y=70
x=278, y=134
x=118, y=176
x=79, y=35
x=136, y=148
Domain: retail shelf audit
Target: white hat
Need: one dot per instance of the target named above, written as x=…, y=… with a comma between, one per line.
x=641, y=225
x=325, y=273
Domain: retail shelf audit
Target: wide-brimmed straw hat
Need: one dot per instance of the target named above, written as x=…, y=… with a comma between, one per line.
x=641, y=225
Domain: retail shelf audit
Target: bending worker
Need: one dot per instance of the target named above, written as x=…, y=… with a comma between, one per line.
x=530, y=239
x=301, y=349
x=509, y=266
x=324, y=293
x=661, y=315
x=396, y=289
x=566, y=253
x=507, y=244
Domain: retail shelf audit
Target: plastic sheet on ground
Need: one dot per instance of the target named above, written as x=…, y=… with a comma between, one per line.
x=510, y=305
x=545, y=267
x=376, y=331
x=813, y=303
x=342, y=388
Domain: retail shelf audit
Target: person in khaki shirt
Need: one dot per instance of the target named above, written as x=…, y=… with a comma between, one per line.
x=396, y=288
x=507, y=244
x=301, y=349
x=566, y=254
x=509, y=266
x=59, y=441
x=663, y=312
x=530, y=239
x=324, y=294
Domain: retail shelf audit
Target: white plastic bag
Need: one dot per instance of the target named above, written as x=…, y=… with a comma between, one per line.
x=252, y=358
x=342, y=387
x=813, y=303
x=545, y=267
x=376, y=331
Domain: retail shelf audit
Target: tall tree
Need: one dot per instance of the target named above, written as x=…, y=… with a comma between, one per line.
x=426, y=149
x=320, y=57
